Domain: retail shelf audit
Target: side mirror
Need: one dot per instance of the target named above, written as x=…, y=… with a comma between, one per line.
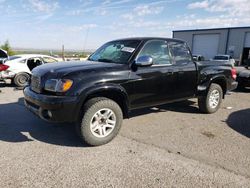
x=144, y=61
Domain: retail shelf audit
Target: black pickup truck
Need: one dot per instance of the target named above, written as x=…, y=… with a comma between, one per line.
x=121, y=76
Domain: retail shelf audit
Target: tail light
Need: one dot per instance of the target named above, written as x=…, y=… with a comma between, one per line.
x=3, y=67
x=234, y=73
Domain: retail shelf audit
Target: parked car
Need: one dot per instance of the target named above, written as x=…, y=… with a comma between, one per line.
x=119, y=77
x=20, y=67
x=198, y=58
x=226, y=58
x=243, y=77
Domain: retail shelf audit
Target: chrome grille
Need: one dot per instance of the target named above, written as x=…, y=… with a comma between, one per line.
x=35, y=83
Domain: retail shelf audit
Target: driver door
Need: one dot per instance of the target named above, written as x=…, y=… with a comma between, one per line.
x=155, y=84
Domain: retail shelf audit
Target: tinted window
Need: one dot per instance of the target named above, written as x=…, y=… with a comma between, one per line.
x=180, y=52
x=158, y=50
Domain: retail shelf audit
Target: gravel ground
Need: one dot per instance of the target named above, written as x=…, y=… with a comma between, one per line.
x=167, y=146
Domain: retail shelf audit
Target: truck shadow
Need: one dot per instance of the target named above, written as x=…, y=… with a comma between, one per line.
x=240, y=122
x=17, y=124
x=186, y=106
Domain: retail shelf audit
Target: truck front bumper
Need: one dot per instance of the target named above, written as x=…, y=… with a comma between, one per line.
x=52, y=108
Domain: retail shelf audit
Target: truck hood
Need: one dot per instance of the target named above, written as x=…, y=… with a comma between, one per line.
x=64, y=68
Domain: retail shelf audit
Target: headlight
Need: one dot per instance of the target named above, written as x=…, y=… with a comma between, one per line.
x=58, y=85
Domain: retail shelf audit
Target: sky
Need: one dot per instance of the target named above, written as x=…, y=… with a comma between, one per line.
x=87, y=24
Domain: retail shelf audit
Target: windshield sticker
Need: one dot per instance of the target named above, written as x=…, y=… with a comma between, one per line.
x=128, y=49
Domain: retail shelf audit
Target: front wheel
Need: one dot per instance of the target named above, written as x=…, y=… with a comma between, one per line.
x=211, y=102
x=101, y=121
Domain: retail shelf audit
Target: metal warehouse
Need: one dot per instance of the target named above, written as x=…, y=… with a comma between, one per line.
x=234, y=41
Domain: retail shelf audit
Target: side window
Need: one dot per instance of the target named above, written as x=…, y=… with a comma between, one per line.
x=158, y=50
x=49, y=60
x=34, y=62
x=180, y=52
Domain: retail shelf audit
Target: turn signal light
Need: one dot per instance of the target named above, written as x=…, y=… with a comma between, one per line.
x=66, y=85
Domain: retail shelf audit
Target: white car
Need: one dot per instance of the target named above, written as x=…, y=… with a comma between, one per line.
x=20, y=67
x=224, y=58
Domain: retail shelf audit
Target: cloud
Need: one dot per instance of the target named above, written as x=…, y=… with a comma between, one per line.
x=127, y=16
x=196, y=5
x=224, y=13
x=85, y=3
x=81, y=28
x=143, y=10
x=231, y=7
x=44, y=6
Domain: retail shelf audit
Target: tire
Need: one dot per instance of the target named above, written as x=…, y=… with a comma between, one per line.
x=211, y=102
x=100, y=121
x=21, y=79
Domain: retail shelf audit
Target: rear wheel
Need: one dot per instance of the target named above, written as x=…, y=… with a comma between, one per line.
x=100, y=122
x=212, y=101
x=21, y=79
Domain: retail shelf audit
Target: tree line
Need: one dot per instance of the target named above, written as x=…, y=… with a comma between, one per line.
x=6, y=46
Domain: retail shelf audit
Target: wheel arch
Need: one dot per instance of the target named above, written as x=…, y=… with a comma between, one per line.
x=219, y=79
x=115, y=93
x=222, y=82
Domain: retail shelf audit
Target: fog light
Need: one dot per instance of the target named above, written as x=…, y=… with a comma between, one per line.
x=49, y=114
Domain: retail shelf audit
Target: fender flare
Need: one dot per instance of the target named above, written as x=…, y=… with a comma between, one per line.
x=104, y=88
x=202, y=89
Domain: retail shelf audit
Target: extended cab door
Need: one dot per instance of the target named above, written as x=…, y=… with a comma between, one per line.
x=187, y=72
x=154, y=84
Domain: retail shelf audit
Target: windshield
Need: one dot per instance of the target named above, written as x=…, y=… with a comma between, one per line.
x=115, y=52
x=221, y=58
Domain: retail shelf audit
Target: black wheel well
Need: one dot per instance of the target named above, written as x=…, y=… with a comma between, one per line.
x=222, y=83
x=116, y=96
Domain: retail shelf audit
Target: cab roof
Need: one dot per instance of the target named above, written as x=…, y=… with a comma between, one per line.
x=151, y=38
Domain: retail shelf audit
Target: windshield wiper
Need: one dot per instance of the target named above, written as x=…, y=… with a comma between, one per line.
x=106, y=60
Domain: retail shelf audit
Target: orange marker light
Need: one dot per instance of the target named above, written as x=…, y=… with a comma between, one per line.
x=66, y=85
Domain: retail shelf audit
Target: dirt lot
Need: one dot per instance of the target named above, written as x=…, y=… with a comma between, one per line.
x=172, y=145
